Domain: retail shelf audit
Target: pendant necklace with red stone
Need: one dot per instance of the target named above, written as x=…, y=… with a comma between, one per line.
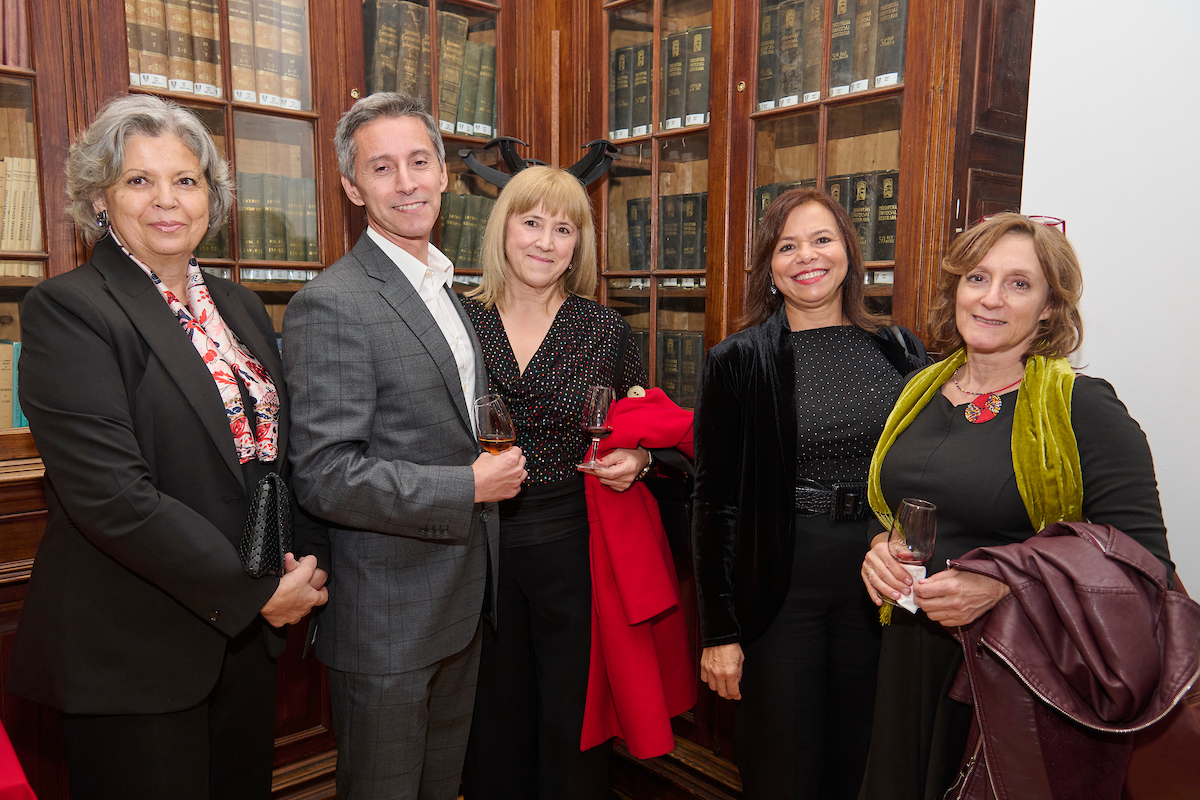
x=986, y=405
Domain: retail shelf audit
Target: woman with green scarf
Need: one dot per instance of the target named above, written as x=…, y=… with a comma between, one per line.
x=1004, y=438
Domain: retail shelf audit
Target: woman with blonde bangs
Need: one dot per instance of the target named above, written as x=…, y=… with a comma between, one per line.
x=1000, y=432
x=545, y=341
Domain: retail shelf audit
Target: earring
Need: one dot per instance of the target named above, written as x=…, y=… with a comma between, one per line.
x=570, y=266
x=774, y=288
x=102, y=218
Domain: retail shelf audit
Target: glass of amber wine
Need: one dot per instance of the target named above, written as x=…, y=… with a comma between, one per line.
x=493, y=425
x=595, y=421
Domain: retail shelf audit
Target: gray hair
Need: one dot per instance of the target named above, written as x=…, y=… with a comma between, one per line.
x=381, y=105
x=97, y=158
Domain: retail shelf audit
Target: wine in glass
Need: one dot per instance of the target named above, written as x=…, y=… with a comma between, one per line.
x=493, y=425
x=912, y=536
x=596, y=406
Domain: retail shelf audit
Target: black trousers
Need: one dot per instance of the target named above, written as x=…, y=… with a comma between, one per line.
x=803, y=726
x=221, y=749
x=532, y=688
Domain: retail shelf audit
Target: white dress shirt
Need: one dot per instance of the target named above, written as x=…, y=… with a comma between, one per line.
x=432, y=283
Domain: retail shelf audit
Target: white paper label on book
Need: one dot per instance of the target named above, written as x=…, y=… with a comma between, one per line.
x=622, y=133
x=157, y=81
x=135, y=79
x=446, y=125
x=695, y=119
x=291, y=104
x=244, y=95
x=689, y=283
x=890, y=79
x=790, y=100
x=838, y=91
x=270, y=100
x=860, y=86
x=483, y=130
x=812, y=97
x=466, y=128
x=672, y=123
x=670, y=282
x=766, y=105
x=882, y=276
x=641, y=130
x=178, y=85
x=207, y=89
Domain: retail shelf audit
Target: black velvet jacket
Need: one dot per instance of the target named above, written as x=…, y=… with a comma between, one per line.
x=743, y=525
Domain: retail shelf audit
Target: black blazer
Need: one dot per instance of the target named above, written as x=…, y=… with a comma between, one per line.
x=744, y=519
x=137, y=585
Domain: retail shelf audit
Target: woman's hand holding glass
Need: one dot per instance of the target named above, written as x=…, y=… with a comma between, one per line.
x=896, y=558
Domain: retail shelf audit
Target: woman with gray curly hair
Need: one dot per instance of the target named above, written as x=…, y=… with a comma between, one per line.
x=155, y=395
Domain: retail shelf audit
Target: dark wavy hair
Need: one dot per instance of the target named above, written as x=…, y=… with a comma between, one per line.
x=761, y=304
x=1058, y=335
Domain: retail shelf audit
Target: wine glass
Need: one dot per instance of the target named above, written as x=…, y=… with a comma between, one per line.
x=595, y=422
x=912, y=536
x=493, y=425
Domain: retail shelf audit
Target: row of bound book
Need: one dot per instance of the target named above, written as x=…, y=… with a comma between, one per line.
x=396, y=41
x=10, y=406
x=866, y=49
x=679, y=357
x=22, y=218
x=464, y=218
x=686, y=68
x=277, y=219
x=868, y=197
x=176, y=45
x=683, y=231
x=14, y=48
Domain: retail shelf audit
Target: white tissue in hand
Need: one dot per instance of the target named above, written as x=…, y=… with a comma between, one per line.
x=909, y=601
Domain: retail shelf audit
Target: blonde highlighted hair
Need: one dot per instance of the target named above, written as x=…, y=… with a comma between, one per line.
x=559, y=193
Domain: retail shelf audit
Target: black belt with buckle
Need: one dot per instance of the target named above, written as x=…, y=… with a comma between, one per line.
x=843, y=501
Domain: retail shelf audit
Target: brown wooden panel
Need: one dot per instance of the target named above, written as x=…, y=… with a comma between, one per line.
x=991, y=193
x=1005, y=38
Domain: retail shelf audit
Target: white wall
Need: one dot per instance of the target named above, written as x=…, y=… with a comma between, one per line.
x=1112, y=148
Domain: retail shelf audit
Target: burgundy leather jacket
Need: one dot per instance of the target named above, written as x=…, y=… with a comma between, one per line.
x=1088, y=647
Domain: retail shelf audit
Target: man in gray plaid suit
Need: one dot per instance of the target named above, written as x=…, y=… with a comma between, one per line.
x=383, y=367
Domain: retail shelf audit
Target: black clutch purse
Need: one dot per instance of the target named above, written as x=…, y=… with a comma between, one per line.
x=268, y=532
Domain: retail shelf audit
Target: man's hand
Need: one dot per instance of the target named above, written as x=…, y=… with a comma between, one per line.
x=296, y=594
x=721, y=669
x=499, y=477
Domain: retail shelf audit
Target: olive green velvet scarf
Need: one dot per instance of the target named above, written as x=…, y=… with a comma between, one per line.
x=1044, y=452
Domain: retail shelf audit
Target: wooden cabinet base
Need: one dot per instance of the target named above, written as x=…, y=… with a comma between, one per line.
x=309, y=779
x=687, y=772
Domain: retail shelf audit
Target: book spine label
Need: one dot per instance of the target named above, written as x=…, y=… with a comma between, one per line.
x=153, y=23
x=206, y=49
x=668, y=363
x=689, y=231
x=408, y=56
x=624, y=89
x=293, y=67
x=763, y=197
x=699, y=58
x=841, y=48
x=472, y=56
x=862, y=212
x=676, y=81
x=180, y=69
x=266, y=52
x=133, y=42
x=887, y=191
x=691, y=354
x=889, y=49
x=635, y=216
x=862, y=68
x=452, y=36
x=838, y=187
x=250, y=216
x=789, y=82
x=485, y=101
x=241, y=50
x=814, y=38
x=639, y=115
x=669, y=209
x=768, y=57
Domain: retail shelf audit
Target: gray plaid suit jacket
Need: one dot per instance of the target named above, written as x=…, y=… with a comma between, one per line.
x=381, y=448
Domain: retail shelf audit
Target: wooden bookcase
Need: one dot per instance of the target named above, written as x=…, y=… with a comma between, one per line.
x=955, y=128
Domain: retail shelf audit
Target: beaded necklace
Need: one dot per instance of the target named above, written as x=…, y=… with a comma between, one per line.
x=985, y=405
